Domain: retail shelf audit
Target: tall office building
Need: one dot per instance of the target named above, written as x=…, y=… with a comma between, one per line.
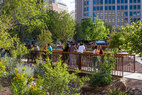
x=112, y=12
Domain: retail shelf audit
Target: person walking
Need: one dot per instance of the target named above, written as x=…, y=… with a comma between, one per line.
x=72, y=56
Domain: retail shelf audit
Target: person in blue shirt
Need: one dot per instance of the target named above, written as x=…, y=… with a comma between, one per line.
x=49, y=47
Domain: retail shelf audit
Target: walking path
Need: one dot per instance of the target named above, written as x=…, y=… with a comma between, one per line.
x=137, y=76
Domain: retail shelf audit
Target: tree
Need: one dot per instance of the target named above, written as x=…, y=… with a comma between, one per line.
x=91, y=30
x=133, y=37
x=116, y=40
x=28, y=17
x=61, y=26
x=44, y=38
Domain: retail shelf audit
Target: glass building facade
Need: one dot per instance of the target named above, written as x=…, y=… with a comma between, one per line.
x=112, y=12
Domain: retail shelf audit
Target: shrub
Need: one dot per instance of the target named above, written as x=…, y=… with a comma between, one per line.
x=103, y=77
x=57, y=80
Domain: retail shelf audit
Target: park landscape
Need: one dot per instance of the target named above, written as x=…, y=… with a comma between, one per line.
x=24, y=21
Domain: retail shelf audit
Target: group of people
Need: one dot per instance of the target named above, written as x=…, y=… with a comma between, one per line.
x=73, y=48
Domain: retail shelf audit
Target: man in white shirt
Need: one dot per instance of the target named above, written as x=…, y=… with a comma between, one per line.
x=81, y=48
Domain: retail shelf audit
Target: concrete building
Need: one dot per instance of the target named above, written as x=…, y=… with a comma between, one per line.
x=112, y=12
x=1, y=1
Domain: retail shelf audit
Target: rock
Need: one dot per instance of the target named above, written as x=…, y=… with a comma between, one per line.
x=120, y=83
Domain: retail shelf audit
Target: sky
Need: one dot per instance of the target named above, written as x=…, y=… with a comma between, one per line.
x=69, y=3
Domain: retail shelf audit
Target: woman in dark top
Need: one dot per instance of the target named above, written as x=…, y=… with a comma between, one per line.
x=65, y=55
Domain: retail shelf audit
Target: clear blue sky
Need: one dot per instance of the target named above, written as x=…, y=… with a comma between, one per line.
x=70, y=4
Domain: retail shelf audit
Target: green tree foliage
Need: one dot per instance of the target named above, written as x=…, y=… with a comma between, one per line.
x=28, y=17
x=61, y=26
x=133, y=37
x=91, y=30
x=44, y=38
x=116, y=40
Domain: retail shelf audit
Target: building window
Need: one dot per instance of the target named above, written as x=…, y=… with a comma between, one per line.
x=131, y=7
x=126, y=7
x=118, y=7
x=135, y=1
x=109, y=7
x=98, y=2
x=87, y=2
x=109, y=1
x=87, y=14
x=126, y=20
x=126, y=13
x=118, y=1
x=135, y=7
x=94, y=15
x=87, y=8
x=138, y=6
x=138, y=14
x=105, y=1
x=131, y=13
x=131, y=1
x=122, y=7
x=113, y=1
x=134, y=14
x=113, y=7
x=122, y=1
x=101, y=1
x=94, y=1
x=106, y=8
x=138, y=1
x=101, y=8
x=98, y=8
x=94, y=8
x=126, y=1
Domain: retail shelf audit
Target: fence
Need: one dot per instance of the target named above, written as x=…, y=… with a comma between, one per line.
x=85, y=61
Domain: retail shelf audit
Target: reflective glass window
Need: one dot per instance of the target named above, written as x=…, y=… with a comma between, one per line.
x=138, y=1
x=94, y=15
x=94, y=1
x=109, y=7
x=109, y=1
x=138, y=14
x=118, y=1
x=113, y=1
x=113, y=7
x=126, y=7
x=135, y=7
x=98, y=8
x=94, y=8
x=126, y=13
x=105, y=1
x=131, y=1
x=131, y=13
x=106, y=8
x=87, y=14
x=101, y=8
x=122, y=1
x=134, y=14
x=135, y=1
x=87, y=2
x=98, y=2
x=131, y=7
x=138, y=6
x=126, y=1
x=87, y=8
x=101, y=1
x=122, y=7
x=118, y=7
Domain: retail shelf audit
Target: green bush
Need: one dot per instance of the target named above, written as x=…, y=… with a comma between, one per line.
x=103, y=77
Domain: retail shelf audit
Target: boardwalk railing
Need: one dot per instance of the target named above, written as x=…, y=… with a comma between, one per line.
x=86, y=61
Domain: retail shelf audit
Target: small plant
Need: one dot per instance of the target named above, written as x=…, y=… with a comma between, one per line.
x=116, y=91
x=24, y=85
x=2, y=69
x=103, y=77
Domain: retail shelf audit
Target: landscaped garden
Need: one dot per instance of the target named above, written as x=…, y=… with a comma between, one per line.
x=25, y=23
